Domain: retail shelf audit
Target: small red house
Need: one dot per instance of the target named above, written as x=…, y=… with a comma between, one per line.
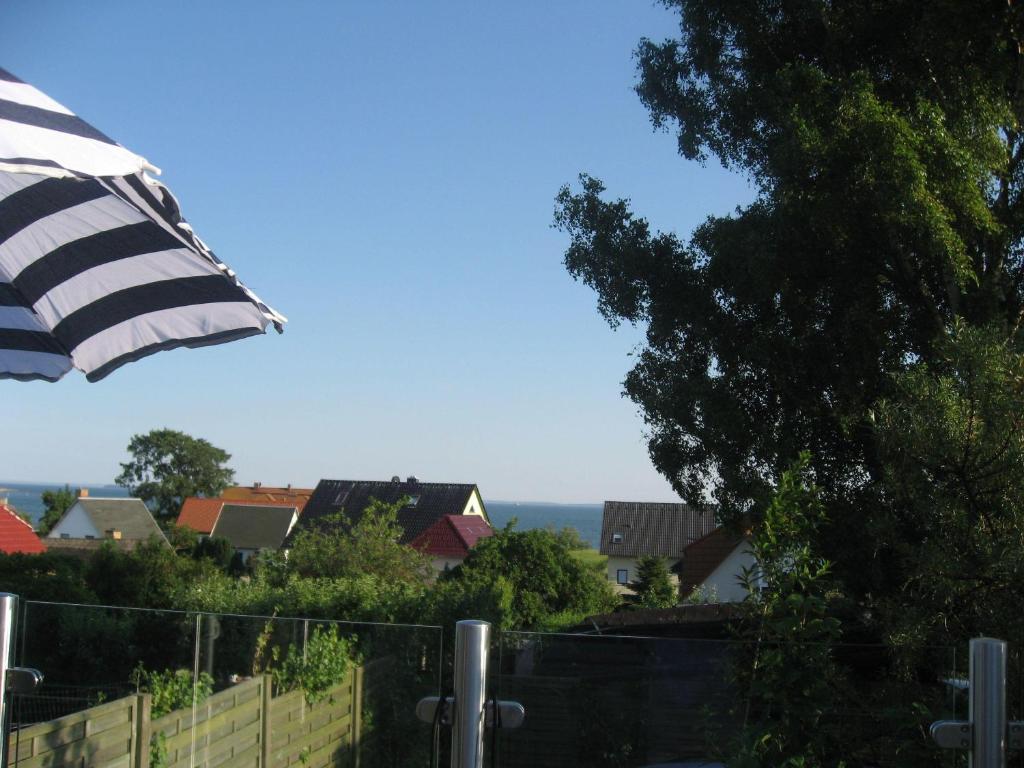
x=448, y=541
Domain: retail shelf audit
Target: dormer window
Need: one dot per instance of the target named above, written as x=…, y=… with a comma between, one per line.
x=413, y=500
x=616, y=538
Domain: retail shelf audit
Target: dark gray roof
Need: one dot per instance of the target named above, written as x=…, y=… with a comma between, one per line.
x=433, y=501
x=129, y=516
x=253, y=526
x=652, y=529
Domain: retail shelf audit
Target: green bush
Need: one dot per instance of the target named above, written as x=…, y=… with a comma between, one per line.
x=171, y=689
x=323, y=664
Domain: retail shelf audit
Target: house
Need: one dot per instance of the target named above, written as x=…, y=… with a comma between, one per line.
x=448, y=541
x=201, y=514
x=91, y=520
x=426, y=503
x=631, y=530
x=254, y=527
x=712, y=566
x=16, y=535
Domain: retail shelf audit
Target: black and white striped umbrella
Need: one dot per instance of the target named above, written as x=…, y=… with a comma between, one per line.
x=97, y=267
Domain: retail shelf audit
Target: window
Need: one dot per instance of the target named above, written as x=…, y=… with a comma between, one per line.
x=616, y=538
x=622, y=576
x=414, y=500
x=65, y=535
x=89, y=536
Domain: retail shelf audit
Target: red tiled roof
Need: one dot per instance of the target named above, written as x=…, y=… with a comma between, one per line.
x=200, y=514
x=452, y=536
x=704, y=555
x=16, y=535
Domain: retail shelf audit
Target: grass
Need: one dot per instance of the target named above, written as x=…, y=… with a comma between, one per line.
x=591, y=557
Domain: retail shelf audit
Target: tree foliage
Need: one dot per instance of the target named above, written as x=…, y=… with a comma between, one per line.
x=167, y=466
x=339, y=547
x=865, y=306
x=56, y=502
x=150, y=576
x=315, y=668
x=883, y=144
x=785, y=674
x=653, y=587
x=952, y=438
x=47, y=576
x=534, y=577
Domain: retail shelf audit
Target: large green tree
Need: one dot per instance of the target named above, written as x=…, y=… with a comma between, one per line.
x=532, y=579
x=883, y=141
x=56, y=502
x=167, y=466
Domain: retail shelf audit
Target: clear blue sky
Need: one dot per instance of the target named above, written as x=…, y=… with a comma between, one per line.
x=383, y=174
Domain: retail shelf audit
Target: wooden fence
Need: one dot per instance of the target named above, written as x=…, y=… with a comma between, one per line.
x=241, y=727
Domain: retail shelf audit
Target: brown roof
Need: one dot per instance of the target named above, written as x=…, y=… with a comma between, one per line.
x=263, y=494
x=702, y=557
x=636, y=529
x=199, y=514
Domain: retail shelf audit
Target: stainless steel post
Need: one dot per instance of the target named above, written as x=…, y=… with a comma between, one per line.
x=8, y=612
x=471, y=643
x=988, y=703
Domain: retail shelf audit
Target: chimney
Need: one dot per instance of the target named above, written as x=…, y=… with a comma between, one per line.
x=83, y=493
x=114, y=534
x=396, y=479
x=413, y=480
x=289, y=486
x=256, y=485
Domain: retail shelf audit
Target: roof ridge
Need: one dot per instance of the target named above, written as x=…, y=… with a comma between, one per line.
x=14, y=513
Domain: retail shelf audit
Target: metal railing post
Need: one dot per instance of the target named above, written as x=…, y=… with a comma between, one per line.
x=471, y=644
x=988, y=703
x=985, y=734
x=8, y=612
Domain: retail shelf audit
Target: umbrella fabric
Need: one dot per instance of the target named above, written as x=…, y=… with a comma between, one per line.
x=97, y=266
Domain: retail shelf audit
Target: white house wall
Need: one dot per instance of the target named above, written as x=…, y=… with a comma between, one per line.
x=474, y=506
x=442, y=564
x=75, y=524
x=722, y=585
x=617, y=563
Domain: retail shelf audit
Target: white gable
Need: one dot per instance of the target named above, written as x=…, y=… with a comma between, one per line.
x=76, y=524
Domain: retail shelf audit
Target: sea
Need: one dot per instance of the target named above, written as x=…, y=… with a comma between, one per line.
x=585, y=518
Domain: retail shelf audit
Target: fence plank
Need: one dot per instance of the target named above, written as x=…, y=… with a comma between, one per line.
x=241, y=727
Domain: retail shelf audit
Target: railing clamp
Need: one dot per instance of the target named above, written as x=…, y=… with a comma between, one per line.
x=956, y=734
x=952, y=734
x=511, y=714
x=22, y=680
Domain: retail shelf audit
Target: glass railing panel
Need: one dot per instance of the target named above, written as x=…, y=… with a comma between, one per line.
x=1014, y=692
x=605, y=700
x=270, y=690
x=336, y=687
x=90, y=655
